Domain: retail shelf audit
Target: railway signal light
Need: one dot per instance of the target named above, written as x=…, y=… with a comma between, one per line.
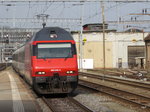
x=6, y=39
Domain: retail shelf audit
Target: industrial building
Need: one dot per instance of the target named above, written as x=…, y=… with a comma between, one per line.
x=122, y=49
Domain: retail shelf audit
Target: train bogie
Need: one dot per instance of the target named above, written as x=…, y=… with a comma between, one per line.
x=55, y=84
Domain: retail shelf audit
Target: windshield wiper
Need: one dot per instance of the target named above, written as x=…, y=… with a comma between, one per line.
x=44, y=58
x=68, y=56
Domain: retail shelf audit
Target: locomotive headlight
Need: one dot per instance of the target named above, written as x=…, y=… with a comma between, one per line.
x=40, y=73
x=43, y=72
x=70, y=72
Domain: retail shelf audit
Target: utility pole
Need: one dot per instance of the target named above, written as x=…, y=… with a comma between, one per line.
x=81, y=40
x=14, y=16
x=103, y=21
x=2, y=37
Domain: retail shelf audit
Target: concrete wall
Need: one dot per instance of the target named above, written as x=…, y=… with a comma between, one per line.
x=94, y=50
x=116, y=47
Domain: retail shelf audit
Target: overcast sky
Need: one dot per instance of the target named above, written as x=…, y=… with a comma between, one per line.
x=91, y=13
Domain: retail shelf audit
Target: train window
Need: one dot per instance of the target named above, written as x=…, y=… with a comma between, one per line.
x=55, y=50
x=74, y=49
x=34, y=50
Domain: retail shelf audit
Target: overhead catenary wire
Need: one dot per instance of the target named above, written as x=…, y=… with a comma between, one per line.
x=74, y=0
x=52, y=8
x=106, y=10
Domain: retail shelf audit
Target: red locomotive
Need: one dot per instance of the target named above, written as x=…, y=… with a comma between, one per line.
x=48, y=61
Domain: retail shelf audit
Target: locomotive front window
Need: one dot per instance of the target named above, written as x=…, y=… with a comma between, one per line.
x=54, y=50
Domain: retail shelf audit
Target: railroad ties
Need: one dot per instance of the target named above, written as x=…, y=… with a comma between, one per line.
x=67, y=104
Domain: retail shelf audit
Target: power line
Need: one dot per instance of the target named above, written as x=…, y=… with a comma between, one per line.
x=129, y=22
x=35, y=20
x=140, y=14
x=47, y=6
x=74, y=0
x=97, y=14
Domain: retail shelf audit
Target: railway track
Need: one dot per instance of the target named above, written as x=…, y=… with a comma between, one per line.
x=133, y=74
x=118, y=80
x=67, y=104
x=131, y=98
x=2, y=66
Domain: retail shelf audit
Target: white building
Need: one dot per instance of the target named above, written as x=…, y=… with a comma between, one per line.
x=121, y=49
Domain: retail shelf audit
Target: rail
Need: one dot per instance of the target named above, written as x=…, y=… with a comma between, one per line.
x=136, y=99
x=134, y=74
x=2, y=66
x=67, y=104
x=138, y=84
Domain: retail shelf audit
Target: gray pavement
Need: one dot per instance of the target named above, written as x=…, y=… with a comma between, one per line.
x=14, y=96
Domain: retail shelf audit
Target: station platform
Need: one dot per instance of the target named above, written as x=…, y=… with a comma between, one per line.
x=14, y=95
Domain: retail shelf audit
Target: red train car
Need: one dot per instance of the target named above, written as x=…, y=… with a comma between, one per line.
x=48, y=61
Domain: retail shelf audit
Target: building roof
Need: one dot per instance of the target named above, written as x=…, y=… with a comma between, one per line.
x=133, y=30
x=147, y=38
x=100, y=24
